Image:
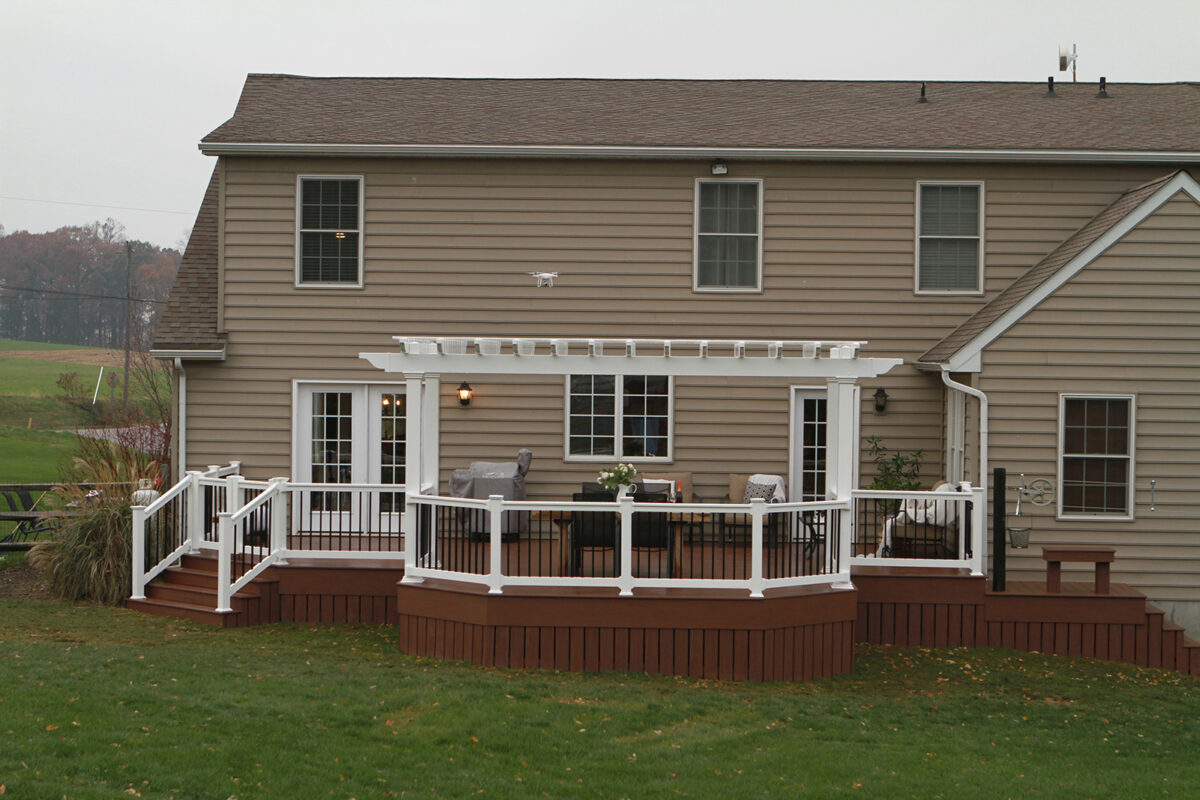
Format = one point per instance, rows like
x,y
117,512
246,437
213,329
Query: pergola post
x,y
840,456
414,399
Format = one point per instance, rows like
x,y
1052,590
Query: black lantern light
x,y
465,392
881,398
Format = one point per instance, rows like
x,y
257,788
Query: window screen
x,y
727,235
949,238
329,230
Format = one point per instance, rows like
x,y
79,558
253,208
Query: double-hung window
x,y
949,238
622,417
728,246
1096,462
329,223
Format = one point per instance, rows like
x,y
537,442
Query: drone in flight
x,y
544,278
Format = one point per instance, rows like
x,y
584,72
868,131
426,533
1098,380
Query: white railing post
x,y
758,510
495,507
279,518
978,530
233,493
194,511
625,546
409,528
224,561
139,553
845,544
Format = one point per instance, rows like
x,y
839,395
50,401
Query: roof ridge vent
x,y
1050,87
1103,87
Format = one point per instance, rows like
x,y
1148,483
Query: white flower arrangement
x,y
618,476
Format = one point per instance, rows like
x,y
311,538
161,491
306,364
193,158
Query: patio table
x,y
562,520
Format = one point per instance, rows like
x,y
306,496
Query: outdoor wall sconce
x,y
465,393
881,398
719,167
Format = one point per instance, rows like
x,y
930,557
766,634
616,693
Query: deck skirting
x,y
793,637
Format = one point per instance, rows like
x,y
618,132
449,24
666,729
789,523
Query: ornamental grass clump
x,y
90,554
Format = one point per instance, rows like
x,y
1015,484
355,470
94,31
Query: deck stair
x,y
189,591
907,609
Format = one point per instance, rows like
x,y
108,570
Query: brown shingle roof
x,y
288,109
190,320
1041,272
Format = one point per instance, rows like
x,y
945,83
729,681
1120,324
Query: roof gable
x,y
960,350
189,322
403,114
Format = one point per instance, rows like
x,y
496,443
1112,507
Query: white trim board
x,y
968,357
758,153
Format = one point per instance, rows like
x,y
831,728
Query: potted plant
x,y
618,479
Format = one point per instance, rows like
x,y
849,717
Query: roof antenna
x,y
923,99
1066,59
1050,86
1103,87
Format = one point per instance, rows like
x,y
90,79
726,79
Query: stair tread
x,y
155,601
249,590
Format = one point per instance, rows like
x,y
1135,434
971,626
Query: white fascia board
x,y
848,368
755,153
967,358
191,355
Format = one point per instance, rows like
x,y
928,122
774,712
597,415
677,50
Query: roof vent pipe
x,y
1103,87
923,98
1050,87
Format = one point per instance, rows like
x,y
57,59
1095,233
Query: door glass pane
x,y
812,449
391,449
333,428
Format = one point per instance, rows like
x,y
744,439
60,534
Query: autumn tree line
x,y
68,286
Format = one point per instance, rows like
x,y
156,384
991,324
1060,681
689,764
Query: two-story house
x,y
1029,250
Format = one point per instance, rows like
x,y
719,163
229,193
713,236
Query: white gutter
x,y
181,428
194,355
755,153
983,424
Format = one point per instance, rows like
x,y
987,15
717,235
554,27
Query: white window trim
x,y
619,428
302,391
361,233
696,287
917,241
1095,517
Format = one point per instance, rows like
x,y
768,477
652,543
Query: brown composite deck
x,y
791,634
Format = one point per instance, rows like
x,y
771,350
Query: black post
x,y
999,534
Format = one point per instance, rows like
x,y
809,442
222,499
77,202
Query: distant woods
x,y
68,286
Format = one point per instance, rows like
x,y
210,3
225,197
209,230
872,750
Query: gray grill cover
x,y
485,478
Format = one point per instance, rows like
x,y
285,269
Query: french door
x,y
351,434
809,432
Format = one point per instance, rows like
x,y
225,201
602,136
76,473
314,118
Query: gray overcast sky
x,y
103,102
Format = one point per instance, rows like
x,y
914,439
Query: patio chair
x,y
739,525
922,528
594,530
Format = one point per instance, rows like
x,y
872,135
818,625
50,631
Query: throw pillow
x,y
764,490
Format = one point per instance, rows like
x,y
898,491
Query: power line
x,y
87,295
95,205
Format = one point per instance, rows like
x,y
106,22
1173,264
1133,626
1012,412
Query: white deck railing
x,y
498,543
920,529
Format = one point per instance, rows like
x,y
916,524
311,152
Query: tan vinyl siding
x,y
1129,323
448,245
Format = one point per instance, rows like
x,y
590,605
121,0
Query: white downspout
x,y
979,559
983,420
181,428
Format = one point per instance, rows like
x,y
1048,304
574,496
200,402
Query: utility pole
x,y
128,269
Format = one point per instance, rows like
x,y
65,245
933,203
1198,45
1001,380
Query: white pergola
x,y
422,359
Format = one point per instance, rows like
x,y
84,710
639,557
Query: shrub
x,y
898,472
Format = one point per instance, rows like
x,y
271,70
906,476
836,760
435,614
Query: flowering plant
x,y
618,476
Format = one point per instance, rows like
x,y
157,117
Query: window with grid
x,y
949,238
622,417
329,231
1097,461
728,235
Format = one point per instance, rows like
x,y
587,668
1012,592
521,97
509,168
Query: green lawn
x,y
33,456
97,702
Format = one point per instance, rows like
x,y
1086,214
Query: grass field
x,y
34,415
100,703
